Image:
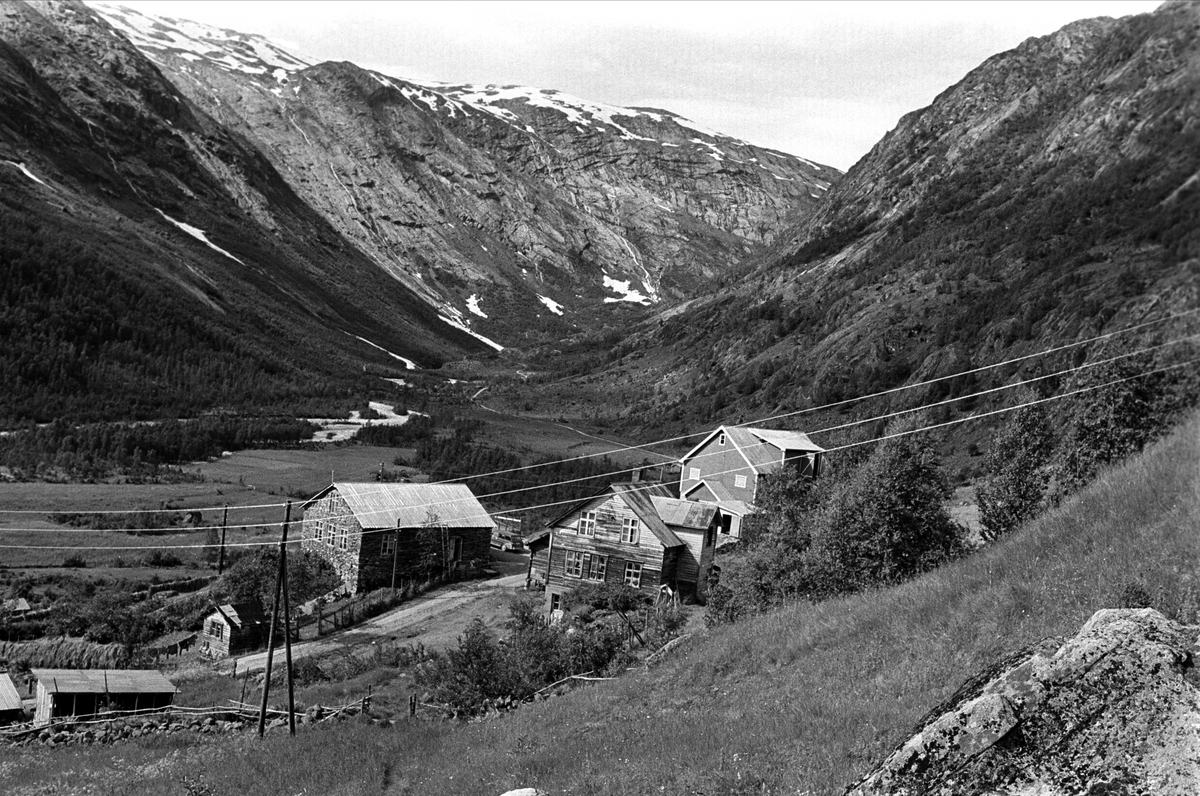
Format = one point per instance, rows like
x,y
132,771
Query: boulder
x,y
1115,709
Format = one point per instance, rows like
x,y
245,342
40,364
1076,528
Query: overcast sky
x,y
824,80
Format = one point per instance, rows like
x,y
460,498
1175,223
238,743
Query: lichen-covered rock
x,y
1110,711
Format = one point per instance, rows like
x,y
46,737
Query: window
x,y
587,523
389,544
739,481
710,536
555,602
216,630
456,548
343,537
633,574
597,566
574,565
585,565
721,439
631,530
694,473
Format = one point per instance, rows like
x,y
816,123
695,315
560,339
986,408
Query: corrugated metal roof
x,y
684,513
9,698
413,505
100,681
15,605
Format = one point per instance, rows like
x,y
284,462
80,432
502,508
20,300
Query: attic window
x,y
631,530
739,481
587,523
694,473
721,439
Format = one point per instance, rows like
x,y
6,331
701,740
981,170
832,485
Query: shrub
x,y
74,561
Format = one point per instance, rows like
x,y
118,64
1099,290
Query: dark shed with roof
x,y
233,629
83,692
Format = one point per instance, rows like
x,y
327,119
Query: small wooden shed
x,y
234,628
83,692
10,701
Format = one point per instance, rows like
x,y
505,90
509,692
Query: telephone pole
x,y
262,711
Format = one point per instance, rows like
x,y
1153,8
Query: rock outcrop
x,y
1114,710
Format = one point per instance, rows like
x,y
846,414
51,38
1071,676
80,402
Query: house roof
x,y
102,681
638,497
15,605
718,489
9,698
760,447
690,514
411,505
242,614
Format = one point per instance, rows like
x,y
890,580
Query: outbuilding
x,y
10,701
84,692
234,628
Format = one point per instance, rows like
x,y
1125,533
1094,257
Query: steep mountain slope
x,y
501,204
104,163
1052,194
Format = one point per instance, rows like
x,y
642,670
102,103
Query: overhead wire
x,y
648,486
582,479
644,446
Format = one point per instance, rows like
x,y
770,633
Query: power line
x,y
621,449
582,479
909,432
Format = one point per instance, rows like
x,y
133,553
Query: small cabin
x,y
233,629
64,693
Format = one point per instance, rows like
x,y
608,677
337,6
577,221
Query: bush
x,y
74,561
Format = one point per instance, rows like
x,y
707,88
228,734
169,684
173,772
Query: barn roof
x,y
689,514
760,447
411,505
9,698
101,681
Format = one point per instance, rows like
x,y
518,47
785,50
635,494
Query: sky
x,y
823,80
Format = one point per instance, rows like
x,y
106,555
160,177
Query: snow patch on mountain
x,y
26,172
627,293
453,317
408,363
473,306
194,41
199,235
551,304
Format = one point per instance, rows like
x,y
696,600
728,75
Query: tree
x,y
1018,474
252,577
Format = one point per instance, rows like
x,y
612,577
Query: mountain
x,y
1051,195
126,207
522,213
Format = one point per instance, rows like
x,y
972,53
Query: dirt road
x,y
435,620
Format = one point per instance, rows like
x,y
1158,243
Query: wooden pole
x,y
245,681
395,554
262,711
221,555
287,625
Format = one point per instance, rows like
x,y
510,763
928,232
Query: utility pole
x,y
395,553
287,625
224,525
262,711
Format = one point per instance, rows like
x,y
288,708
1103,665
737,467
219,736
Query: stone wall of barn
x,y
331,531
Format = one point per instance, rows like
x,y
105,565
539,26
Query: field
x,y
833,686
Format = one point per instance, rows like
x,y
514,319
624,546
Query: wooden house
x,y
374,533
11,708
83,692
638,534
724,468
233,629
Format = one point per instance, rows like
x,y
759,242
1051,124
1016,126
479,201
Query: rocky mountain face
x,y
522,214
1113,710
1051,195
123,201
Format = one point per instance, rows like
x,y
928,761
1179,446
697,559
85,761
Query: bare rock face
x,y
1113,710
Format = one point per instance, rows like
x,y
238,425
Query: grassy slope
x,y
799,701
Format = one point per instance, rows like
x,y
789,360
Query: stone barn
x,y
84,692
376,534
